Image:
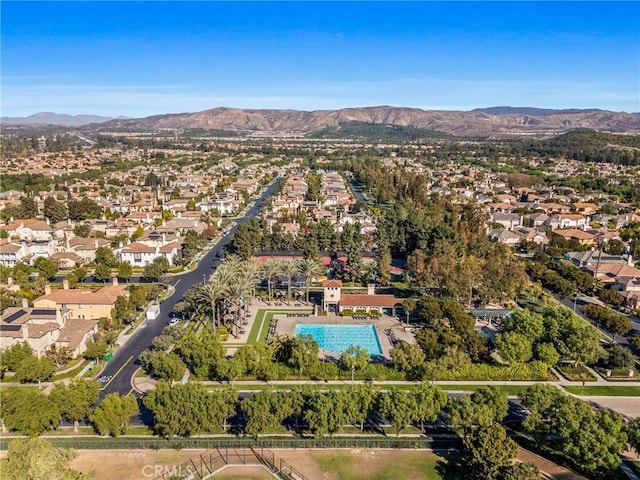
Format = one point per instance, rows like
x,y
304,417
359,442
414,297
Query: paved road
x,y
122,366
622,339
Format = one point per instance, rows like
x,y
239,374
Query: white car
x,y
174,321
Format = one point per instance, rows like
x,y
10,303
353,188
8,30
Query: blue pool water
x,y
337,338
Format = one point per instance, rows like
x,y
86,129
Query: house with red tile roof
x,y
83,303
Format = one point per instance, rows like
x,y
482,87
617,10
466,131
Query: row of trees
x,y
73,402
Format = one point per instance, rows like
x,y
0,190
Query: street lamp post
x,y
575,301
203,279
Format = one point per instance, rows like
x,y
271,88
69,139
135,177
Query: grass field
x,y
605,391
365,464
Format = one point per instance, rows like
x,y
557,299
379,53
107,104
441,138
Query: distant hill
x,y
533,111
49,118
476,123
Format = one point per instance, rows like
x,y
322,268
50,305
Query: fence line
x,y
210,443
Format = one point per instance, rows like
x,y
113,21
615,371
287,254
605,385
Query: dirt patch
x,y
131,464
244,473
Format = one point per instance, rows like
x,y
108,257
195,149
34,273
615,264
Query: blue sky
x,y
144,58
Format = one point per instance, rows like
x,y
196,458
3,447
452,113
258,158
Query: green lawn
x,y
379,465
605,391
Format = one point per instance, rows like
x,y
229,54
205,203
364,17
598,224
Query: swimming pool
x,y
337,338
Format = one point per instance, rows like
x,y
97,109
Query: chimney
x,y
371,289
630,260
114,281
9,281
25,303
95,243
164,239
65,284
47,289
69,221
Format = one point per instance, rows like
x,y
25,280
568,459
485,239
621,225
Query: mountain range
x,y
497,121
50,118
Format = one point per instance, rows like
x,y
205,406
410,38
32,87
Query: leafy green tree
x,y
633,434
37,459
264,410
487,452
35,369
82,230
123,311
513,347
483,407
75,400
156,269
138,296
29,206
231,369
619,357
96,350
105,256
55,211
525,322
407,357
326,412
593,440
188,409
102,272
429,401
521,471
80,273
125,271
113,415
202,353
47,267
167,366
42,412
355,357
13,356
304,353
547,354
360,403
397,407
83,209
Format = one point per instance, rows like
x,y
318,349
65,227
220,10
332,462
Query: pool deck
x,y
387,328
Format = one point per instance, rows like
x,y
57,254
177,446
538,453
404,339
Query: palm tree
x,y
290,269
212,291
310,268
238,291
253,271
271,269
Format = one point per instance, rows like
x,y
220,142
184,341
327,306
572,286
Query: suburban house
x,y
582,237
12,252
141,255
29,229
45,329
82,303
